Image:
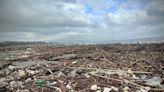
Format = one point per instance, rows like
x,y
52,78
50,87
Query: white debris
x,y
98,88
73,73
147,88
106,89
93,87
31,72
122,73
114,88
68,86
144,77
13,84
23,56
60,74
51,83
98,91
61,81
74,62
130,71
87,75
90,65
7,58
29,49
11,67
54,83
143,90
126,89
27,52
155,81
135,77
28,79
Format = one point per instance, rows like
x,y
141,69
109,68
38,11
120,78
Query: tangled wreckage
x,y
82,68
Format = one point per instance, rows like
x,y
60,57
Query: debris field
x,y
82,68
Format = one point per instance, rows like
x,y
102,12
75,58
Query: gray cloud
x,y
155,8
64,20
40,14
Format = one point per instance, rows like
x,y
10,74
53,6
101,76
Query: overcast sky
x,y
80,20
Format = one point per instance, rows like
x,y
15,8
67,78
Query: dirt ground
x,y
82,68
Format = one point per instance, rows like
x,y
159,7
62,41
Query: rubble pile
x,y
83,68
